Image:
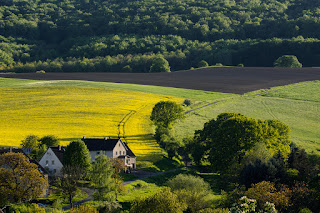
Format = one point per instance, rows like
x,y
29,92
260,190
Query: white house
x,y
52,160
112,148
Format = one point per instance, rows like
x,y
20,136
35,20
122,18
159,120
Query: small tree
x,y
165,113
101,177
160,64
49,140
287,61
191,190
203,63
68,182
77,154
31,142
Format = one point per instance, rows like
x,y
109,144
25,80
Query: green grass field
x,y
296,105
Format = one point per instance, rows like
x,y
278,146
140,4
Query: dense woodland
x,y
98,35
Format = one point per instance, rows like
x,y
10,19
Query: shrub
x,y
41,71
203,63
219,65
162,201
84,209
305,210
240,65
126,68
187,102
191,190
287,61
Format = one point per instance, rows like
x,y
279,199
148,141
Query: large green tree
x,y
77,154
160,64
226,140
165,113
20,180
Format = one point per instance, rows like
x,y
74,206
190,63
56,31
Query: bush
x,y
305,210
287,61
126,68
187,102
41,71
23,208
203,63
240,65
191,190
84,209
162,201
219,65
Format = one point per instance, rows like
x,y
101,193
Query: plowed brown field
x,y
218,79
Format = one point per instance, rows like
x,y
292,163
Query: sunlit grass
x,y
296,105
71,112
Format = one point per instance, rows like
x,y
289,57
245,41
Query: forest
x,y
125,36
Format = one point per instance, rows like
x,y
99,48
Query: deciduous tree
x,y
165,113
20,180
101,177
160,64
77,154
287,61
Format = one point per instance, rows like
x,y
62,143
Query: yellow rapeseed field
x,y
71,112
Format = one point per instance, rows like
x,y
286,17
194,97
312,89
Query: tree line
x,y
57,36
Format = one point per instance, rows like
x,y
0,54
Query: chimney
x,y
10,150
84,137
59,147
105,138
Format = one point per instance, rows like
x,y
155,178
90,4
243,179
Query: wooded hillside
x,y
99,35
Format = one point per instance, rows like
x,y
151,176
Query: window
x,y
52,162
116,153
124,152
128,161
47,162
119,152
54,171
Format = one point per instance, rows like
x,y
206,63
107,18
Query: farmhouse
x,y
112,148
52,160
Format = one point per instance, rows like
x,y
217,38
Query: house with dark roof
x,y
112,148
52,160
18,150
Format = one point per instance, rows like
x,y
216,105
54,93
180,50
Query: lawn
x,y
296,105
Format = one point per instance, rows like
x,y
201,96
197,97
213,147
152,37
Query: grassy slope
x,y
296,105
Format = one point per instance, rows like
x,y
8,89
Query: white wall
x,y
119,148
51,162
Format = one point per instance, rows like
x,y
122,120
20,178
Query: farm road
x,y
237,80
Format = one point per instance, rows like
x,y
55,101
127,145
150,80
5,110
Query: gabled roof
x,y
129,152
58,151
18,150
105,144
95,144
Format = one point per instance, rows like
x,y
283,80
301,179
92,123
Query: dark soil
x,y
218,79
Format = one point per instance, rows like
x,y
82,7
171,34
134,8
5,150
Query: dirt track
x,y
218,79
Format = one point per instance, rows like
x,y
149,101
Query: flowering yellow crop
x,y
71,112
